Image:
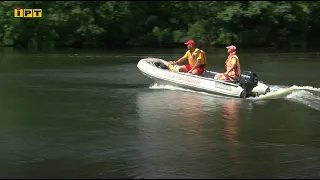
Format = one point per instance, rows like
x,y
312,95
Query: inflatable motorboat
x,y
162,72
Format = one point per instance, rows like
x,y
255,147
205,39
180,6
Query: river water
x,y
87,114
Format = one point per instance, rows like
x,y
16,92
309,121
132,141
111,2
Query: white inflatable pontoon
x,y
162,72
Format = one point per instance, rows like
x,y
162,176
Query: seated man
x,y
196,57
232,66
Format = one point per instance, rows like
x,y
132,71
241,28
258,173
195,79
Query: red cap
x,y
232,47
189,42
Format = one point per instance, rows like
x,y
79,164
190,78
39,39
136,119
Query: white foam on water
x,y
176,88
169,87
276,92
309,88
307,95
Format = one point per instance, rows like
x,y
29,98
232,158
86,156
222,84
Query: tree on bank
x,y
161,23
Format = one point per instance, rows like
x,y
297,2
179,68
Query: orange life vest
x,y
235,73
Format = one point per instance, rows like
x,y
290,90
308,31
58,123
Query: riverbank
x,y
151,51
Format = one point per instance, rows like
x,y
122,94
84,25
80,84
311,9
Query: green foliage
x,y
161,23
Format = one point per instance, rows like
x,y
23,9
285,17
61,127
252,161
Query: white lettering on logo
x,y
246,76
183,78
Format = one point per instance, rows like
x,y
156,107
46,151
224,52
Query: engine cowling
x,y
248,80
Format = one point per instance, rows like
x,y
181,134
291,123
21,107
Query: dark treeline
x,y
161,23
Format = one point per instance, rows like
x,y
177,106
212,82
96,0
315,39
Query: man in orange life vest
x,y
196,57
232,66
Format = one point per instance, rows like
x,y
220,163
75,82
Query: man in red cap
x,y
232,66
196,57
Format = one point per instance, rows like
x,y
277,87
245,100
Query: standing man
x,y
196,57
232,66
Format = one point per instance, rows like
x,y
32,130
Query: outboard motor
x,y
161,65
248,80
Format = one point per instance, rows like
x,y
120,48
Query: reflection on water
x,y
188,110
180,119
231,110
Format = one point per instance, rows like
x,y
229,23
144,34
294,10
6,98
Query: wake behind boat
x,y
164,73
